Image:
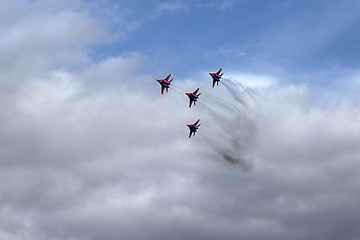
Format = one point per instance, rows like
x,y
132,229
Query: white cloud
x,y
95,153
44,96
116,156
41,39
219,4
251,80
171,6
181,4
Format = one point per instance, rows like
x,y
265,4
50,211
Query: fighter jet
x,y
193,127
165,83
193,97
216,77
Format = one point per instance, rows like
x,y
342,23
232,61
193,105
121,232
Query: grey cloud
x,y
98,153
108,163
40,40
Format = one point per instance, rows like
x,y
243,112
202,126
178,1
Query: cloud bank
x,y
91,150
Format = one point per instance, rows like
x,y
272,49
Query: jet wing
x,y
167,78
218,72
196,91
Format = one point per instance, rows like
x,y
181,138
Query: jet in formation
x,y
193,128
216,77
193,97
165,83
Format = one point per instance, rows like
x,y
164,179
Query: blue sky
x,y
250,36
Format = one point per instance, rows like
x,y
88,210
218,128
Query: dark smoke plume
x,y
229,132
234,93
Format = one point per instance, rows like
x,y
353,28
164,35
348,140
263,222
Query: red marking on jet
x,y
216,77
193,97
193,128
165,83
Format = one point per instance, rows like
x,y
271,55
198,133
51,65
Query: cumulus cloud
x,y
43,38
97,153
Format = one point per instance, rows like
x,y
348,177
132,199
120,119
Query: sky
x,y
90,149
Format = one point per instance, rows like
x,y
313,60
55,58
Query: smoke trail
x,y
245,89
229,132
234,94
229,143
219,101
236,159
176,89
